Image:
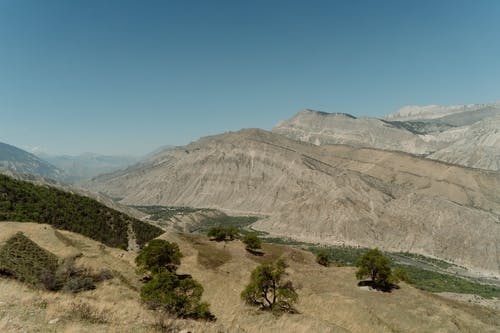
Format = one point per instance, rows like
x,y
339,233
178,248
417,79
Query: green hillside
x,y
25,202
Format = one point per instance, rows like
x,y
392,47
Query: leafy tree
x,y
176,294
374,265
220,234
159,256
322,258
217,233
252,242
232,233
269,290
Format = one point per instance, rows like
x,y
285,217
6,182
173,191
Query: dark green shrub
x,y
179,295
252,242
77,284
322,258
24,260
159,256
217,233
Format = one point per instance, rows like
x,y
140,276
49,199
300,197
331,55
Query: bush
x,y
84,312
322,258
24,260
268,289
252,242
217,233
220,234
159,256
179,295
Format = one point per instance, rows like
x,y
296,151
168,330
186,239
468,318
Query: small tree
x,y
220,234
176,294
322,258
159,256
377,267
252,242
269,290
232,233
217,233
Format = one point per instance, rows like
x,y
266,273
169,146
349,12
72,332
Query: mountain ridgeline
x,y
331,194
25,202
467,135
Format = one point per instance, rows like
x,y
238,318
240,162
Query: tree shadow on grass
x,y
385,287
258,253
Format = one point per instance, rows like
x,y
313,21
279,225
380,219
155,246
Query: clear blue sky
x,y
129,76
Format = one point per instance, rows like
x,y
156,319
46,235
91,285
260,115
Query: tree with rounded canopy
x,y
217,233
159,256
374,265
176,294
269,290
252,242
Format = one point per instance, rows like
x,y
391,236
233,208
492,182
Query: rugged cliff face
x,y
329,194
467,135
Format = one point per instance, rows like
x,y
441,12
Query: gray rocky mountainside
x,y
333,194
468,135
17,162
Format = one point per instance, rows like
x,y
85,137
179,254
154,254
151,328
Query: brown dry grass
x,y
329,300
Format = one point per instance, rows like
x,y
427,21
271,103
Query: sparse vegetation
x,y
87,313
239,223
439,282
25,202
163,213
159,256
252,242
374,265
322,258
220,234
268,289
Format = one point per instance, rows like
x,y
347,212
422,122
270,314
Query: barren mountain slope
x,y
15,161
464,113
478,145
328,194
337,128
467,135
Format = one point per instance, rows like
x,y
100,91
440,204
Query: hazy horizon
x,y
126,77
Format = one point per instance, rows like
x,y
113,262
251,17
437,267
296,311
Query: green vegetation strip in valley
x,y
421,278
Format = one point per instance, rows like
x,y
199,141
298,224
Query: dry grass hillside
x,y
329,299
328,194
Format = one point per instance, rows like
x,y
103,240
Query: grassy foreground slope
x,y
329,299
25,202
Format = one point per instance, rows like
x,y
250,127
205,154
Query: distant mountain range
x,y
468,135
88,165
17,162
